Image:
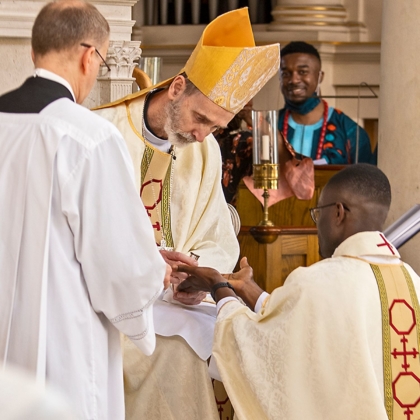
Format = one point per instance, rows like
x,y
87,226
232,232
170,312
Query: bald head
x,y
63,25
360,197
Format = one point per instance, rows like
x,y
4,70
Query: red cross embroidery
x,y
405,353
156,226
158,199
386,243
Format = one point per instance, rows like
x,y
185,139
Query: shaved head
x,y
359,198
367,182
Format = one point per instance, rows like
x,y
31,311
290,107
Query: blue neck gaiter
x,y
305,107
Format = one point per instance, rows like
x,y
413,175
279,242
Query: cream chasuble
x,y
315,351
199,221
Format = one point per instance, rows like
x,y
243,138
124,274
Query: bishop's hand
x,y
167,278
174,258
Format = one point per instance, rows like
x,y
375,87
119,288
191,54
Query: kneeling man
x,y
340,339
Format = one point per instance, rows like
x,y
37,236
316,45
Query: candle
x,y
265,152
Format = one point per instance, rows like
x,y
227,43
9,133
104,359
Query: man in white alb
x,y
77,256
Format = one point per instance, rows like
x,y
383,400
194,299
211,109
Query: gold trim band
x,y
315,23
386,337
314,8
308,15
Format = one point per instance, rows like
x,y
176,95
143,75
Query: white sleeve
x,y
258,305
114,240
260,301
223,301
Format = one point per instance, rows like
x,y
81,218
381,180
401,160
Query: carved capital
x,y
120,58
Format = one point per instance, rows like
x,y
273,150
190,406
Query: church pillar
x,y
317,20
16,21
119,81
399,123
121,53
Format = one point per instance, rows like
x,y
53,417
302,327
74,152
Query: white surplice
x,y
315,350
77,255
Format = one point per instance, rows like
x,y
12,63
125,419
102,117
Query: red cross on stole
x,y
386,243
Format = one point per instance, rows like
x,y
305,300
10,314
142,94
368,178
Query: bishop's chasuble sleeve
x,y
315,350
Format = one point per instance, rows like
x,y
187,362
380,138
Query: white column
x,y
118,13
163,12
16,21
213,4
139,14
399,123
195,6
179,12
233,4
119,82
253,10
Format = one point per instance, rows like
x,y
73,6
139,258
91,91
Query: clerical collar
x,y
46,74
162,144
305,107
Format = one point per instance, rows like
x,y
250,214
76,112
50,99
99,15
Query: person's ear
x,y
177,87
340,214
320,79
87,59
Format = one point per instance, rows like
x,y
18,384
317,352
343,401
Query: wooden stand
x,y
273,261
275,251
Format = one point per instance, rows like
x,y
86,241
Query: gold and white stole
x,y
401,336
155,192
155,186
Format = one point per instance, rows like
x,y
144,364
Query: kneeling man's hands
x,y
204,278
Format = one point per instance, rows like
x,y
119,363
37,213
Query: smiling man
x,y
312,127
168,129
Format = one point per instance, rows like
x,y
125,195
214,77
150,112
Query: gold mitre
x,y
226,66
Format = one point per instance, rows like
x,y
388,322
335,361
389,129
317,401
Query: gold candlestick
x,y
265,167
266,177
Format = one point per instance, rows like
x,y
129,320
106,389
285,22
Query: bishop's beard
x,y
176,136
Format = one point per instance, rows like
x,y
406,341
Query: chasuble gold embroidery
x,y
155,192
401,336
